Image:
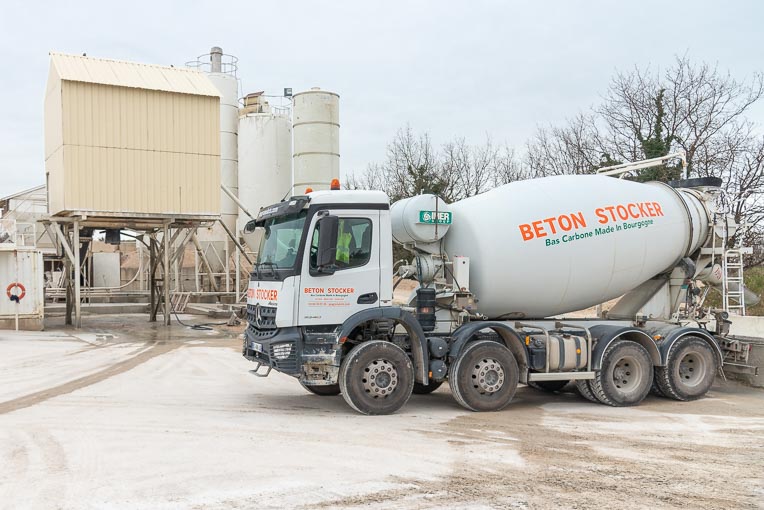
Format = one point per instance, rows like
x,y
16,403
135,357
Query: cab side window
x,y
353,243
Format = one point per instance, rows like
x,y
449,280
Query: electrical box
x,y
461,272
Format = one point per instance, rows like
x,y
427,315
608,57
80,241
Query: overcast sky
x,y
466,68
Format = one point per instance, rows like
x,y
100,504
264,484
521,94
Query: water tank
x,y
548,246
316,125
265,158
419,219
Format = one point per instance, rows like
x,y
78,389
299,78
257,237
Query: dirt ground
x,y
123,414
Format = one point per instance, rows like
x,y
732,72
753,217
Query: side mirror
x,y
326,258
250,226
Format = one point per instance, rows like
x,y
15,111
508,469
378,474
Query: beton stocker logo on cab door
x,y
613,218
263,294
329,296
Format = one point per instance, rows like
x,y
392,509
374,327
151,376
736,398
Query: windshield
x,y
281,240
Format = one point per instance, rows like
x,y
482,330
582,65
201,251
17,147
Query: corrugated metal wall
x,y
131,151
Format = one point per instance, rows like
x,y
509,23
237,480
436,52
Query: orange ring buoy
x,y
14,285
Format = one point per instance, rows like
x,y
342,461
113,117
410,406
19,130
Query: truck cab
x,y
323,258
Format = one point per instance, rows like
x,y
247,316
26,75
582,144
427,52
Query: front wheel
x,y
484,377
328,390
376,377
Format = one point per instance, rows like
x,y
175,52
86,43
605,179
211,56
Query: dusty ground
x,y
169,418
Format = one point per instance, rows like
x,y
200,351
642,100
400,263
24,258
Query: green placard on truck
x,y
439,217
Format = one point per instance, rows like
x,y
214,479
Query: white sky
x,y
466,68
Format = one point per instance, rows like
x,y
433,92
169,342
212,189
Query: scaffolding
x,y
165,239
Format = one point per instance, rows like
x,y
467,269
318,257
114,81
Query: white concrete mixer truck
x,y
497,273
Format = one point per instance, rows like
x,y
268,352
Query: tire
x,y
484,377
585,390
548,386
655,389
625,376
329,390
421,389
690,369
376,377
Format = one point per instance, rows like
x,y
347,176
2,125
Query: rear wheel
x,y
625,376
324,391
584,388
484,377
421,389
655,389
548,386
376,377
690,369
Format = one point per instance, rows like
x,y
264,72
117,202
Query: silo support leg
x,y
205,262
77,276
153,305
166,275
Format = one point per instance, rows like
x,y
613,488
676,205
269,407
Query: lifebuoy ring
x,y
16,297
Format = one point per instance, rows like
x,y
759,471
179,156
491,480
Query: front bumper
x,y
313,357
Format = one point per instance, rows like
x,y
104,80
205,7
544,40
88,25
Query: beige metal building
x,y
124,139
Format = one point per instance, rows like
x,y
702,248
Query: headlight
x,y
282,351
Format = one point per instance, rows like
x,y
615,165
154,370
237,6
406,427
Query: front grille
x,y
262,334
284,356
261,317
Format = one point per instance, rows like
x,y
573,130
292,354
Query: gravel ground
x,y
124,414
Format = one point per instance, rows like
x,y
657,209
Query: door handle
x,y
367,299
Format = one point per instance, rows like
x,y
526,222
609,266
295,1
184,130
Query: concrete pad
x,y
128,414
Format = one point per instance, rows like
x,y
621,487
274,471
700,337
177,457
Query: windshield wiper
x,y
272,265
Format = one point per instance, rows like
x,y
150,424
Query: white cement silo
x,y
265,156
316,125
228,86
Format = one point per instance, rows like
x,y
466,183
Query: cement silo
x,y
226,82
221,70
316,126
265,155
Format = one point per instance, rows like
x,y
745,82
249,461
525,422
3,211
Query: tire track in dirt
x,y
153,350
583,465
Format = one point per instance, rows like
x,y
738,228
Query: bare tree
x,y
508,167
457,170
691,106
575,148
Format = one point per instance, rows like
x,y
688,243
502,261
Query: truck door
x,y
331,298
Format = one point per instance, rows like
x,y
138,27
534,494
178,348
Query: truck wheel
x,y
626,375
655,389
421,389
548,386
689,371
484,377
585,389
324,390
376,377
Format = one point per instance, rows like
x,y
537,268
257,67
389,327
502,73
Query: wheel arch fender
x,y
675,335
606,335
410,324
508,336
